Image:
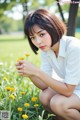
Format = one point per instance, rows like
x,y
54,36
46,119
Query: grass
x,y
10,51
15,90
12,48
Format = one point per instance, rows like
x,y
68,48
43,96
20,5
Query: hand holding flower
x,y
26,68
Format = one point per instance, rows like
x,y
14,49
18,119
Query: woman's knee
x,y
57,105
43,97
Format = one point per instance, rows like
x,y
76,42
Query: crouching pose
x,y
59,75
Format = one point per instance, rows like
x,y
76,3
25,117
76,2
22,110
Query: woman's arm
x,y
62,88
37,82
22,69
39,78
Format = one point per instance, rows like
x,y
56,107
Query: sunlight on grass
x,y
12,50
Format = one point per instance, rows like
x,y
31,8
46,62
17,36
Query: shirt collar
x,y
62,47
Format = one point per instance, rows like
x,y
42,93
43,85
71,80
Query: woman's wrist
x,y
36,72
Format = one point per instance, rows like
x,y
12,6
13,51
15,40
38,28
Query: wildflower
x,y
34,99
4,78
27,54
25,116
22,93
21,58
26,104
19,109
36,105
10,89
12,97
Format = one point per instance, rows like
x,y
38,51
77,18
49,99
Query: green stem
x,y
10,109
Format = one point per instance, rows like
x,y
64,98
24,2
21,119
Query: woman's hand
x,y
26,68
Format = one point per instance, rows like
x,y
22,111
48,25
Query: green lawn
x,y
22,90
12,48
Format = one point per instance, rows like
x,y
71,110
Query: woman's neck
x,y
55,48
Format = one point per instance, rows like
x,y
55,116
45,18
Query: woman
x,y
59,76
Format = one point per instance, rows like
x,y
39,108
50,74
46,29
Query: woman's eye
x,y
32,38
42,34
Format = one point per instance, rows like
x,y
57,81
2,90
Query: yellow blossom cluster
x,y
34,99
25,116
26,104
36,105
10,89
27,54
12,97
21,58
5,78
19,109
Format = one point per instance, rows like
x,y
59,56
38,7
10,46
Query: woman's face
x,y
41,38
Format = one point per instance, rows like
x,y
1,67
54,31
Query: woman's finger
x,y
20,66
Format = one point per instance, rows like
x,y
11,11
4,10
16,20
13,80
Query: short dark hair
x,y
47,21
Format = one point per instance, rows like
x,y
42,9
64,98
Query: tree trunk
x,y
72,18
60,10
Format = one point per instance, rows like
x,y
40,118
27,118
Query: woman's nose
x,y
38,40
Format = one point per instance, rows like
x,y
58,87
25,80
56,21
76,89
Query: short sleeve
x,y
45,65
72,75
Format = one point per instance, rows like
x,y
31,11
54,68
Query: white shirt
x,y
66,67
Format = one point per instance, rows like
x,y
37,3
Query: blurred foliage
x,y
8,24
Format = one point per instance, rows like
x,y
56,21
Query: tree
x,y
72,17
29,5
71,23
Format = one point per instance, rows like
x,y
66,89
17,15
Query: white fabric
x,y
66,67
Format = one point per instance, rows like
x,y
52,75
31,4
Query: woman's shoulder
x,y
71,41
72,45
70,38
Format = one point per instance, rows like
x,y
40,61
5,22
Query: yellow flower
x,y
12,97
34,99
25,116
10,89
36,105
26,104
19,109
27,54
4,78
21,58
22,93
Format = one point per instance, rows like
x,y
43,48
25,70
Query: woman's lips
x,y
42,47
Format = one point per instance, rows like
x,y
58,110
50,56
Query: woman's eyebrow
x,y
37,32
40,31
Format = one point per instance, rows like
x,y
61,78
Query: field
x,y
17,94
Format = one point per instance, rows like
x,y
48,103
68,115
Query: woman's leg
x,y
66,107
45,97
